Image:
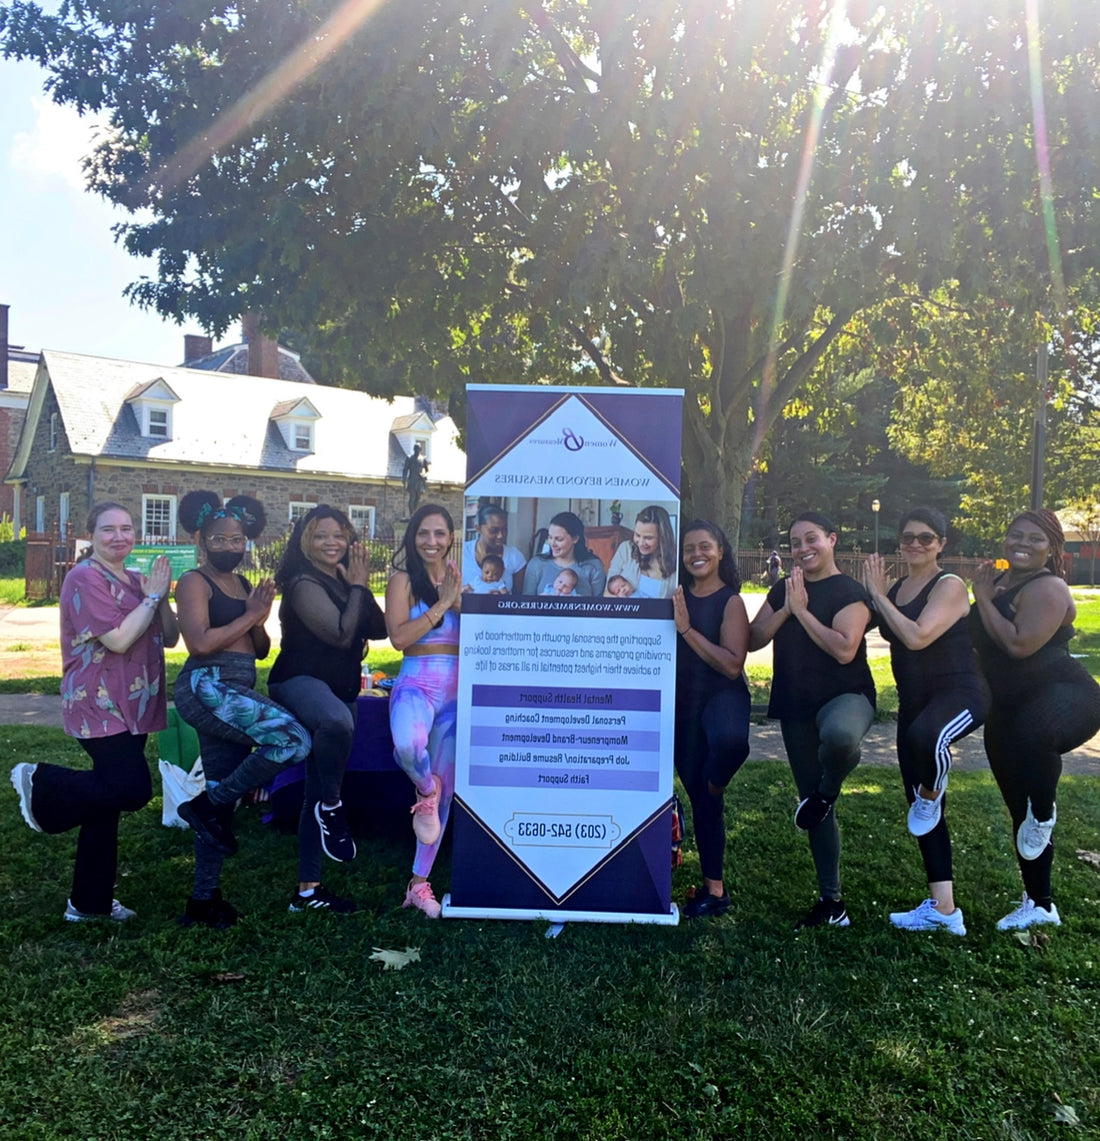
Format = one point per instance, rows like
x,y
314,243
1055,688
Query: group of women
x,y
115,624
1036,702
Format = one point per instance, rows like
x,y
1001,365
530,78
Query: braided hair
x,y
1047,522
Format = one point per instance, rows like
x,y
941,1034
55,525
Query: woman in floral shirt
x,y
115,624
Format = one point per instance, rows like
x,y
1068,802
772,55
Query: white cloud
x,y
56,144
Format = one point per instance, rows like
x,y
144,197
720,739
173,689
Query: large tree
x,y
700,193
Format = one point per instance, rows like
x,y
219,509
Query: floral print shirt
x,y
104,693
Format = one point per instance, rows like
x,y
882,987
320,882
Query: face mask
x,y
224,561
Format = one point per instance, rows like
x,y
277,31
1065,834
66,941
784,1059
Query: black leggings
x,y
1025,737
92,801
712,742
924,756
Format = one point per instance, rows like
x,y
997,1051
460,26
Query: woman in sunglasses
x,y
924,617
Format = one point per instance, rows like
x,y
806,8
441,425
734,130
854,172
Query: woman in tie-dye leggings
x,y
422,603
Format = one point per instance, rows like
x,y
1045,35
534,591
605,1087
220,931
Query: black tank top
x,y
695,680
223,607
948,663
1009,677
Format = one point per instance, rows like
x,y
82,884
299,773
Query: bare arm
x,y
840,639
728,656
405,631
134,624
947,603
765,625
193,599
1042,607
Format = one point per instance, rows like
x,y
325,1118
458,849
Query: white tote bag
x,y
179,786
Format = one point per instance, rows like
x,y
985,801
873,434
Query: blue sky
x,y
61,270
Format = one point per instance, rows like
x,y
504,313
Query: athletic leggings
x,y
1025,737
924,756
244,737
821,754
712,743
422,721
331,725
67,798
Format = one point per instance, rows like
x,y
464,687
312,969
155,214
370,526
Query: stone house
x,y
145,434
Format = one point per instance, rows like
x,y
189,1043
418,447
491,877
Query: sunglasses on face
x,y
925,538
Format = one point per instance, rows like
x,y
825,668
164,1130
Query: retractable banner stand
x,y
563,783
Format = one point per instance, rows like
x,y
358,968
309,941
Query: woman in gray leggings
x,y
327,615
822,691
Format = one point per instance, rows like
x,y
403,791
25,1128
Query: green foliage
x,y
283,1027
583,191
13,558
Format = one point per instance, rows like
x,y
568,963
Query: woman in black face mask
x,y
245,738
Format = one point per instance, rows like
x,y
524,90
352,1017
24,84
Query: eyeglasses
x,y
925,538
222,542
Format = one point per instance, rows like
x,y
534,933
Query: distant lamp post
x,y
875,507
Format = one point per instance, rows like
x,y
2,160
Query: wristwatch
x,y
151,600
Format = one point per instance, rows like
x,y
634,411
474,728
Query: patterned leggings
x,y
245,739
422,721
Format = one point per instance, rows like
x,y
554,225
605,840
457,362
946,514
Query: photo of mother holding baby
x,y
567,552
647,562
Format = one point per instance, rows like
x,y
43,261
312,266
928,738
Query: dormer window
x,y
297,423
152,405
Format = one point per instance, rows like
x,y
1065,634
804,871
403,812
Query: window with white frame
x,y
53,432
160,423
362,519
158,518
63,514
425,443
301,435
298,509
40,513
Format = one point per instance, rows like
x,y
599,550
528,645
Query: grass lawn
x,y
283,1028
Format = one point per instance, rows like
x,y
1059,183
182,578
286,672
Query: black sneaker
x,y
813,810
203,818
825,913
322,900
705,906
215,912
336,841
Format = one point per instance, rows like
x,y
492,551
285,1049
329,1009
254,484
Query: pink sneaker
x,y
425,814
420,896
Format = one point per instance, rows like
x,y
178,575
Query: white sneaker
x,y
118,913
1033,836
1029,915
22,779
927,917
924,815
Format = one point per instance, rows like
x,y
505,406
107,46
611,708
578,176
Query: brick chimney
x,y
4,346
196,347
263,352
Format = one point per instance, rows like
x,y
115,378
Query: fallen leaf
x,y
1089,857
1065,1114
396,960
227,977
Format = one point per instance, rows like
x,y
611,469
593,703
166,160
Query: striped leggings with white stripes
x,y
924,756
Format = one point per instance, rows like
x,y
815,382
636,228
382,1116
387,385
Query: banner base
x,y
560,915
